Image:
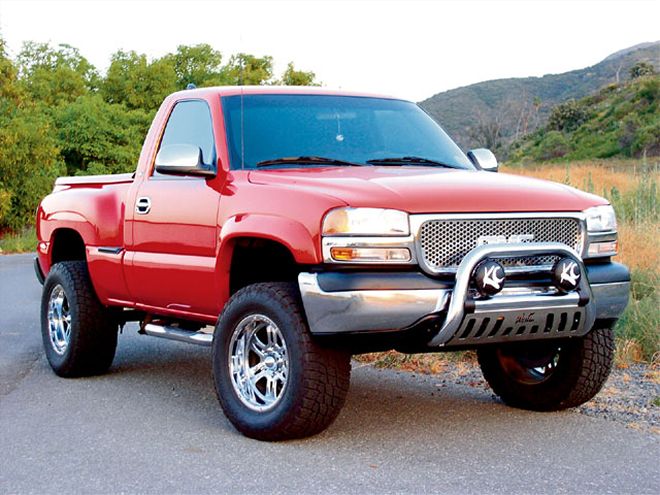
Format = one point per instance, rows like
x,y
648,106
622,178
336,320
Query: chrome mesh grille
x,y
444,242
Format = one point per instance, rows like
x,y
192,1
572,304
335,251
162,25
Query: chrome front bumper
x,y
514,314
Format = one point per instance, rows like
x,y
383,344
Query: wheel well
x,y
261,260
67,245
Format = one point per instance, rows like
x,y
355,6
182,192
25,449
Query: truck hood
x,y
430,190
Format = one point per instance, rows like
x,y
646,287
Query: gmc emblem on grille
x,y
502,239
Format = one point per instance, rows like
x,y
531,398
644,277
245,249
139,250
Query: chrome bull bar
x,y
513,305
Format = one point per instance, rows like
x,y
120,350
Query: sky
x,y
410,49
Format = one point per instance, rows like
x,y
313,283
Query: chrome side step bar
x,y
174,333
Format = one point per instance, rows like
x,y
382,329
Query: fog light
x,y
607,248
566,274
372,255
489,277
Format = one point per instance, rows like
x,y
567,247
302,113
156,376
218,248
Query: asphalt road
x,y
153,425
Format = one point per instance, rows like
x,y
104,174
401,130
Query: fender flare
x,y
294,236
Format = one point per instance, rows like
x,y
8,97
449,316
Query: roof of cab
x,y
263,90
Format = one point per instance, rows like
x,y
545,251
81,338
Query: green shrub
x,y
641,320
567,116
555,145
23,242
5,204
641,69
628,132
647,140
639,205
650,89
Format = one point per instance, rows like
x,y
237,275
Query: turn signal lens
x,y
374,255
608,248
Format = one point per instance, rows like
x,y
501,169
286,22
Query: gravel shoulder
x,y
631,395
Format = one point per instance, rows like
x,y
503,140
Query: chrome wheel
x,y
258,362
59,320
534,365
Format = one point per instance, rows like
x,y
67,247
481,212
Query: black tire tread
x,y
327,371
92,348
590,361
598,356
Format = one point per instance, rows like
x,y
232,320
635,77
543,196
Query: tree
x,y
97,137
57,115
198,64
9,99
10,91
487,132
641,69
55,76
29,157
293,77
137,83
29,163
244,69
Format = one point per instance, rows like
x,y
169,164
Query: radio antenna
x,y
240,83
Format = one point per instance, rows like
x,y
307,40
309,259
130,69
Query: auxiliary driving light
x,y
566,274
489,277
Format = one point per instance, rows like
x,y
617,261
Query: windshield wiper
x,y
410,160
312,160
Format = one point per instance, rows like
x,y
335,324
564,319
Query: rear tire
x,y
273,380
79,336
549,376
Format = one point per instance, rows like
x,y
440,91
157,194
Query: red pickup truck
x,y
290,228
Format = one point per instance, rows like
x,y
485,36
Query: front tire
x,y
549,375
79,336
273,380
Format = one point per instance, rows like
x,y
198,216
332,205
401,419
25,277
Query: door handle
x,y
143,206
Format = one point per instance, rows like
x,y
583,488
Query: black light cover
x,y
488,277
566,274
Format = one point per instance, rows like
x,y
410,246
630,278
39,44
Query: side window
x,y
190,123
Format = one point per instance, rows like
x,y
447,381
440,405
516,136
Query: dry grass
x,y
429,364
628,351
460,363
638,246
598,177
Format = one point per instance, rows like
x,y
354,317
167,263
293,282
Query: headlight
x,y
601,219
366,222
601,230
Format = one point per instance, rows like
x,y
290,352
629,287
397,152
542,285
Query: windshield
x,y
333,129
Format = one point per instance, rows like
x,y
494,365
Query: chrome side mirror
x,y
182,159
483,159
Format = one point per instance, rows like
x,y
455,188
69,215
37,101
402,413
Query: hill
x,y
620,120
502,110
